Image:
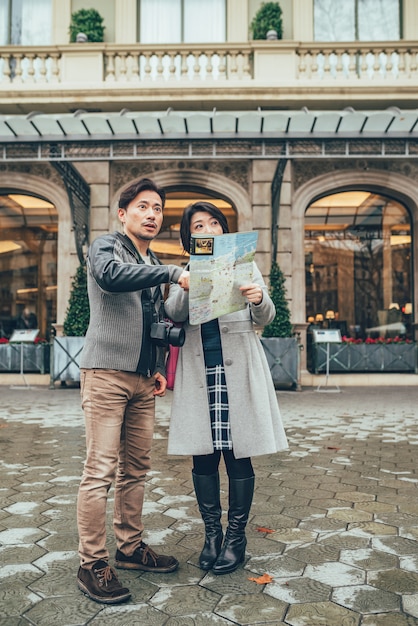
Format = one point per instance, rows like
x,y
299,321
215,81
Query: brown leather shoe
x,y
101,584
145,559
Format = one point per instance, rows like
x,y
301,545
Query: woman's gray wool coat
x,y
256,425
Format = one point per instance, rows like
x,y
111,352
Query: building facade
x,y
310,139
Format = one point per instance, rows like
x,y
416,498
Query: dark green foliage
x,y
268,17
78,311
89,22
281,325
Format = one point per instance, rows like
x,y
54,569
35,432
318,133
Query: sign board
x,y
331,335
24,336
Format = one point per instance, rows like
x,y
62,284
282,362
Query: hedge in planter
x,y
281,325
67,349
89,22
268,17
78,313
280,346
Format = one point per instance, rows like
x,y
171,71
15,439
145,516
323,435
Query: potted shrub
x,y
67,349
88,22
78,312
267,19
279,343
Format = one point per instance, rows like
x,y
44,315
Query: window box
x,y
35,357
365,357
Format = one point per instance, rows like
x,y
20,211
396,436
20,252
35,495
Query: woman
x,y
224,402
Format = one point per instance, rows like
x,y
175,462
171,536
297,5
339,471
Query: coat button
x,y
224,329
228,361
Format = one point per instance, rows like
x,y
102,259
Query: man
x,y
122,371
27,320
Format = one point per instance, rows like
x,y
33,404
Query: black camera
x,y
164,333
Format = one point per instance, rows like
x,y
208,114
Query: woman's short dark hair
x,y
207,207
131,192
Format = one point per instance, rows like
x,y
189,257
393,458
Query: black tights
x,y
207,464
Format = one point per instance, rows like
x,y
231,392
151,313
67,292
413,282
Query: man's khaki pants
x,y
119,410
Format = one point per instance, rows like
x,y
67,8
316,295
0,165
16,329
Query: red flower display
x,y
377,340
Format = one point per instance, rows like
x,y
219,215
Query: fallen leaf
x,y
261,529
262,580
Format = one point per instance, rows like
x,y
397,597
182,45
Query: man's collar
x,y
132,246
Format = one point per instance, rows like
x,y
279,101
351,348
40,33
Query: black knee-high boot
x,y
233,550
208,498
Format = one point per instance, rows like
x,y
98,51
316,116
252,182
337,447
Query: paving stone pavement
x,y
334,520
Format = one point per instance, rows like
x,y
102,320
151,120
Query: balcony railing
x,y
282,62
254,74
361,61
21,65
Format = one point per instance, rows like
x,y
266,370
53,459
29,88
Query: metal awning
x,y
392,123
98,136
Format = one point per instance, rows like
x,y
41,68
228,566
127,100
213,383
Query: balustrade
x,y
299,63
360,60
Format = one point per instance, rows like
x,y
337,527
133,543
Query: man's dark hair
x,y
207,207
131,192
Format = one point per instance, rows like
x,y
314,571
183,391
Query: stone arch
x,y
203,181
395,185
38,186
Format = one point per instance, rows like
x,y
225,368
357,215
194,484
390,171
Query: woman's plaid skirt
x,y
218,407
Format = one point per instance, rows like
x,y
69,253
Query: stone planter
x,y
364,357
65,355
35,357
283,358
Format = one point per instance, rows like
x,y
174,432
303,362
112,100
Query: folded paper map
x,y
219,266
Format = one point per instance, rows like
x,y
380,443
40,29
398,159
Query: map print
x,y
219,266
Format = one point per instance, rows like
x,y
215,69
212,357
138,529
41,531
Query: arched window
x,y
358,265
28,261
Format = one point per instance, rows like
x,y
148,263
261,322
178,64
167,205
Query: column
x,y
410,20
237,24
97,175
126,21
263,172
303,26
61,18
